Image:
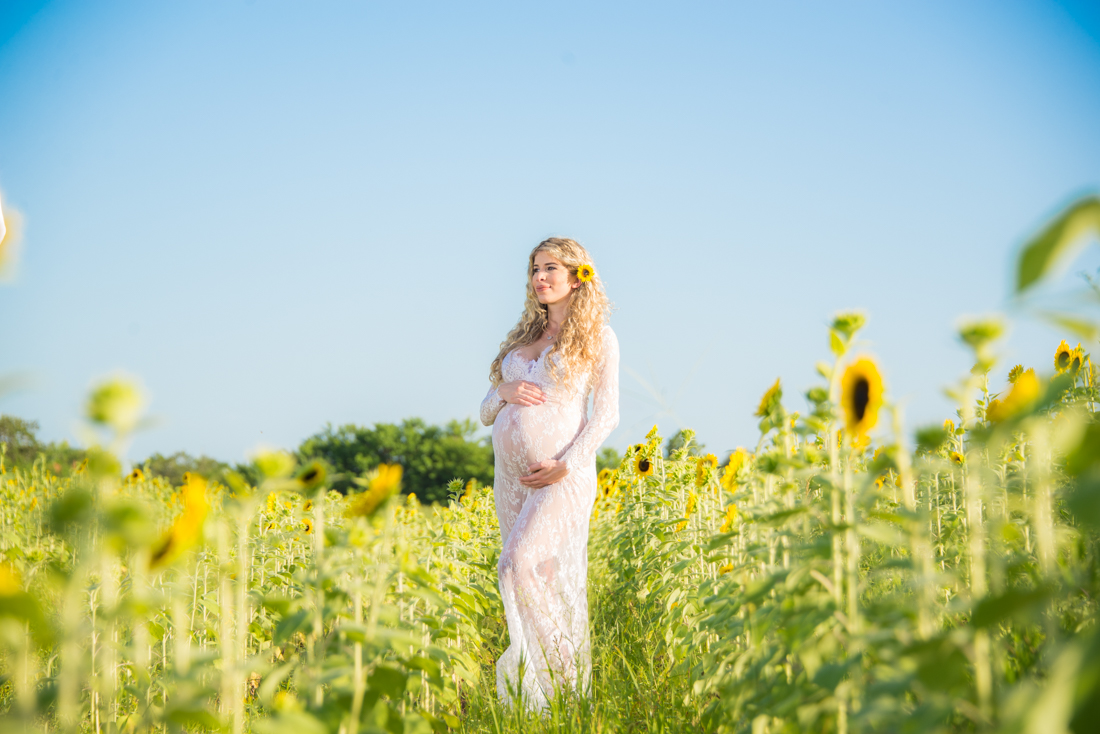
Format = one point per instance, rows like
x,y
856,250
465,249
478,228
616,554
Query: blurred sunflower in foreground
x,y
861,396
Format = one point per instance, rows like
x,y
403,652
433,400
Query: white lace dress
x,y
543,567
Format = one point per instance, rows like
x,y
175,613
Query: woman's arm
x,y
605,407
520,392
491,405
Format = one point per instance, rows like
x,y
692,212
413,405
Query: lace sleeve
x,y
605,407
490,406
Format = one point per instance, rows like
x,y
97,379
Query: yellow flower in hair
x,y
585,273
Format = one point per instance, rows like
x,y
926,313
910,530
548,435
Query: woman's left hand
x,y
543,473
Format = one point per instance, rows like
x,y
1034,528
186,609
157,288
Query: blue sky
x,y
281,214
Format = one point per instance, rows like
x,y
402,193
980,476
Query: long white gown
x,y
543,567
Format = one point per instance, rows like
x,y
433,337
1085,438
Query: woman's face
x,y
551,280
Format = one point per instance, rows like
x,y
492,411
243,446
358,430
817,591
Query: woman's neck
x,y
555,315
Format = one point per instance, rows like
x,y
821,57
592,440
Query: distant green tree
x,y
18,436
172,468
682,438
608,458
22,447
430,455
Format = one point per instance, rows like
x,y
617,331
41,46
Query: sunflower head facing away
x,y
1015,372
1076,359
585,273
1063,357
770,401
861,396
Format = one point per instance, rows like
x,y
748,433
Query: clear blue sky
x,y
279,214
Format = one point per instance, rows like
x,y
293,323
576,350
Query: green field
x,y
844,574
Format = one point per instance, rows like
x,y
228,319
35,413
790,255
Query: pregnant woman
x,y
561,351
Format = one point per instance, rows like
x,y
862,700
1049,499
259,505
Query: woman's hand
x,y
543,473
521,392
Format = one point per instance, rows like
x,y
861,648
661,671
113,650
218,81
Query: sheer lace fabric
x,y
543,567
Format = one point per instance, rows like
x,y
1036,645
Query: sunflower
x,y
1077,358
643,466
1025,391
307,506
1015,372
307,525
1063,356
604,475
730,518
386,481
957,458
652,432
135,476
468,495
949,426
691,503
312,476
271,502
725,569
770,401
861,396
187,530
737,459
585,273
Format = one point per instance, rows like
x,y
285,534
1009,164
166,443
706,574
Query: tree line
x,y
431,456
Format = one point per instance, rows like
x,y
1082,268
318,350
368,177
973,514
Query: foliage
x,y
22,448
828,580
608,458
431,456
172,468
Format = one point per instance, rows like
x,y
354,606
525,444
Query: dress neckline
x,y
515,353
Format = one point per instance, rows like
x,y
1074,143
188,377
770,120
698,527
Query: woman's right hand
x,y
521,392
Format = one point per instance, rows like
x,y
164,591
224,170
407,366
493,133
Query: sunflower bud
x,y
116,403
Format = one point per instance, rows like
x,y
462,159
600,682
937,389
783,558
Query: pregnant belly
x,y
524,435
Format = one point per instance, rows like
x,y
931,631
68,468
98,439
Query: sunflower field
x,y
841,575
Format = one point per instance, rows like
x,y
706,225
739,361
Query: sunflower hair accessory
x,y
585,273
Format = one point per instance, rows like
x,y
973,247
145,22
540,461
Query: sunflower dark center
x,y
644,464
1063,359
861,395
309,476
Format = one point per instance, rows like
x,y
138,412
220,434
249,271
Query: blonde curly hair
x,y
579,341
